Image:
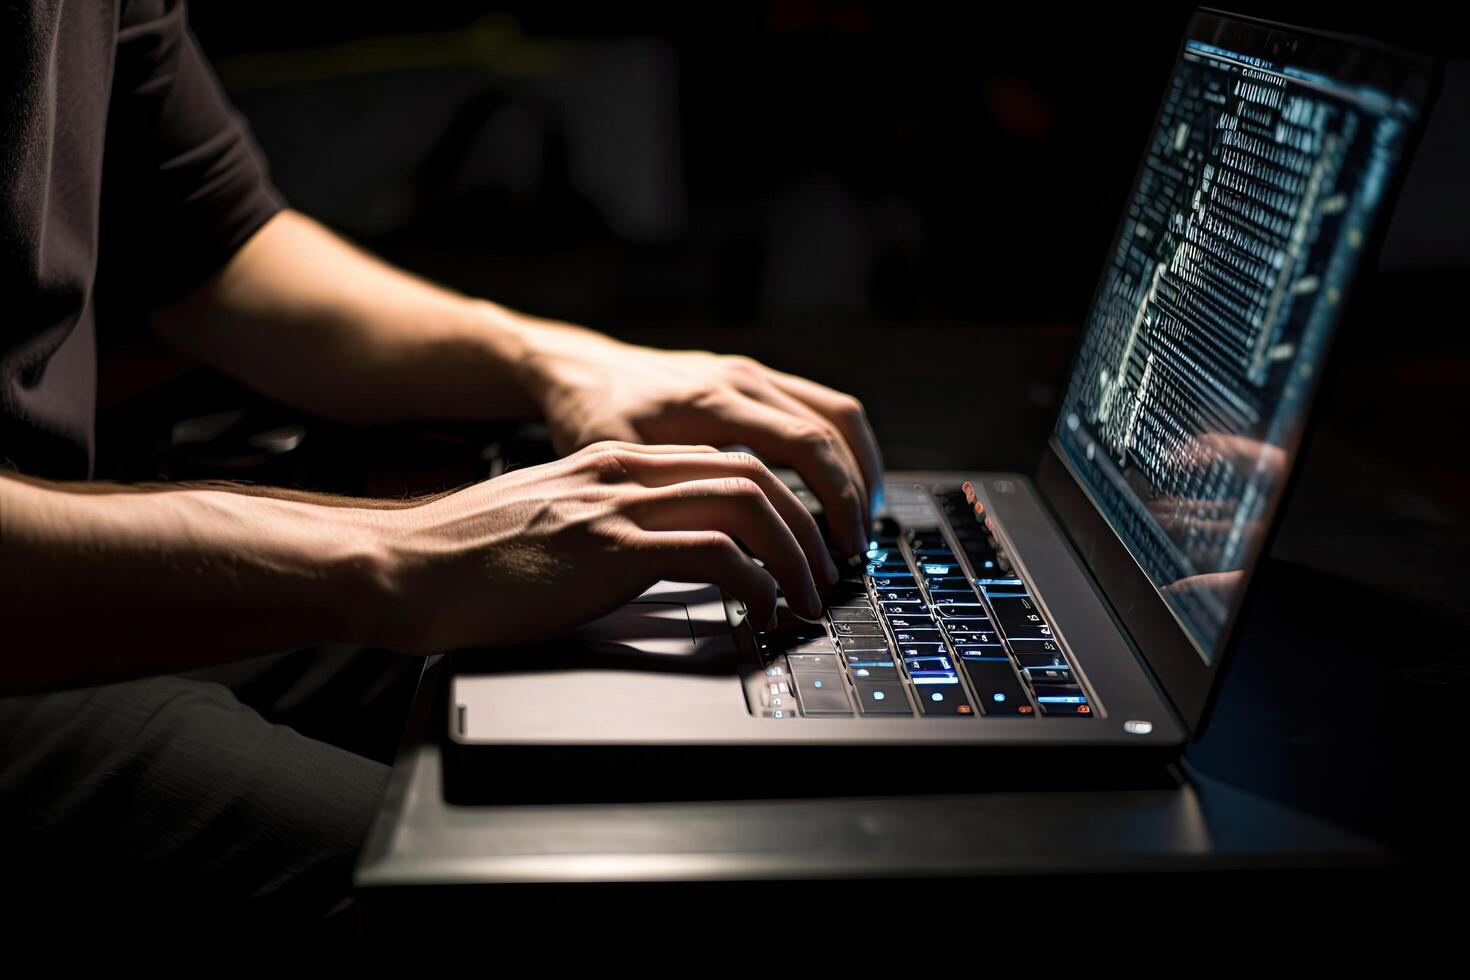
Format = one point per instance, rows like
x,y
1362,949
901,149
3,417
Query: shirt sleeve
x,y
184,185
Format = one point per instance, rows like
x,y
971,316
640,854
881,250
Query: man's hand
x,y
100,584
305,318
592,388
533,553
1201,523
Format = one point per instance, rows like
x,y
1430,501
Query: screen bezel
x,y
1187,678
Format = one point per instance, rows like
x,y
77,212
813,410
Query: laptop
x,y
1088,606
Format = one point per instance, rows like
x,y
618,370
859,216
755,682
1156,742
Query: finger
x,y
848,414
665,469
763,390
1220,584
795,441
739,508
646,448
712,557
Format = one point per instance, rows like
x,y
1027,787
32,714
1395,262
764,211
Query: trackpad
x,y
661,628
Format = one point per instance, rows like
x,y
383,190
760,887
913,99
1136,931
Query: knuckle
x,y
849,406
716,544
744,487
707,397
608,461
746,462
742,365
815,436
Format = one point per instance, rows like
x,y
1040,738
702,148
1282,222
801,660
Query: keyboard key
x,y
893,566
822,693
945,701
1038,648
1059,693
1050,675
853,614
960,610
883,698
908,609
1019,618
883,582
919,636
793,632
1016,611
868,638
1041,661
867,653
961,596
901,623
931,541
844,630
978,635
1062,700
823,645
979,650
1064,709
899,595
934,664
864,671
910,650
972,631
804,663
959,599
1028,632
933,678
996,687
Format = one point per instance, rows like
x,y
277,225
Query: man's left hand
x,y
591,388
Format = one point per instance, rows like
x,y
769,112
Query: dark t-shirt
x,y
125,180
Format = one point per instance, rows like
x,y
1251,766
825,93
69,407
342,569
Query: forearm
x,y
98,587
306,318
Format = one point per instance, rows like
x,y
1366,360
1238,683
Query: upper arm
x,y
184,183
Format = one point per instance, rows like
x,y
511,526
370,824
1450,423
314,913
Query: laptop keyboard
x,y
923,631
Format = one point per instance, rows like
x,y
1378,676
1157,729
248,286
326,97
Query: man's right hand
x,y
532,554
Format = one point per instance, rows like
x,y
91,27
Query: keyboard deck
x,y
937,624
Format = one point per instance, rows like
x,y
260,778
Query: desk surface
x,y
419,841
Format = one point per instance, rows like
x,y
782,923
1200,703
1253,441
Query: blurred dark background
x,y
912,202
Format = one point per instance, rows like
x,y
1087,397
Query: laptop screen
x,y
1241,235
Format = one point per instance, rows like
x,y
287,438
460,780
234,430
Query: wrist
x,y
363,571
322,573
541,352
